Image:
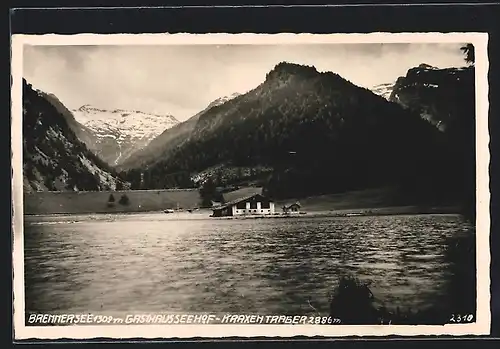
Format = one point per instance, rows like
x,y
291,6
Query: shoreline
x,y
368,212
348,213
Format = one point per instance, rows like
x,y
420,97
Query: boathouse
x,y
256,204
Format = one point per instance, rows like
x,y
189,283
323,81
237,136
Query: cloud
x,y
182,80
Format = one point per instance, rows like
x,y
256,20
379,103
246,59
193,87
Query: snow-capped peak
x,y
133,123
122,132
384,89
222,100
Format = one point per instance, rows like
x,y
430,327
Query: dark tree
x,y
468,51
219,180
124,200
209,193
111,200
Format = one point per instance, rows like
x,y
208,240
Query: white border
x,y
481,327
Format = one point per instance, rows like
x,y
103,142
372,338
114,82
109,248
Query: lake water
x,y
192,263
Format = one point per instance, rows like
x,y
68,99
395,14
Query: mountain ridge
x,y
446,99
222,100
305,112
54,158
384,89
173,135
119,132
432,92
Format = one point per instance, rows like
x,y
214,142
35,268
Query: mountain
x,y
54,159
427,66
222,100
84,134
318,132
170,138
446,98
384,90
119,133
436,94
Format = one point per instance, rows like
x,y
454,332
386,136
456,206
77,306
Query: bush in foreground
x,y
354,304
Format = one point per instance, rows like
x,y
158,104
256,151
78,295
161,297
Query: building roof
x,y
241,193
235,201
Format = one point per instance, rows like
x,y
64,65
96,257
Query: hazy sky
x,y
182,80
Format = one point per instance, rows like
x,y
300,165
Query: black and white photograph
x,y
250,185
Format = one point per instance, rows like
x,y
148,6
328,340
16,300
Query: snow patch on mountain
x,y
222,100
383,90
119,133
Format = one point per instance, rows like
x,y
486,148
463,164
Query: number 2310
x,y
457,318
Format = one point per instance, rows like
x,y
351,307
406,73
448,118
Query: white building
x,y
255,204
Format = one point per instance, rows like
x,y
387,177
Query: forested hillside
x,y
319,132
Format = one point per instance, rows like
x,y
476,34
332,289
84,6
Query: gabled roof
x,y
241,193
235,201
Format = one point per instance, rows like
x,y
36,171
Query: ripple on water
x,y
157,263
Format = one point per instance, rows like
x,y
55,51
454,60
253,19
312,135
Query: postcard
x,y
250,185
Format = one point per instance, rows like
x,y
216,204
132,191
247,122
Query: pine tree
x,y
469,53
124,200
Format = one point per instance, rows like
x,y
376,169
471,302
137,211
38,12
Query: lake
x,y
191,263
